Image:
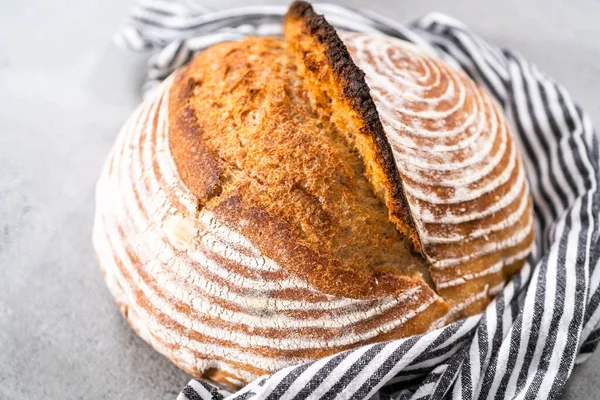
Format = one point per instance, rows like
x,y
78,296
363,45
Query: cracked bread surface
x,y
280,153
253,215
437,148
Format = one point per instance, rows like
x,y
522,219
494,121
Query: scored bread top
x,y
261,209
283,168
455,183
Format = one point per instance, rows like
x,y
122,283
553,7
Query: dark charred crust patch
x,y
357,93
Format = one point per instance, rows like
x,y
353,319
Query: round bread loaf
x,y
281,200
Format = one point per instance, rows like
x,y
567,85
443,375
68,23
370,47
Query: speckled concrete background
x,y
64,92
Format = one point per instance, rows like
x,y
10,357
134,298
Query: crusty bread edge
x,y
357,96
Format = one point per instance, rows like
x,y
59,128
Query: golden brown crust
x,y
477,264
197,165
265,162
328,274
306,30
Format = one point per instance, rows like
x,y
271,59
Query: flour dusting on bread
x,y
278,201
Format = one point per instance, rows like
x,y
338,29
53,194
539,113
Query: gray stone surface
x,y
64,92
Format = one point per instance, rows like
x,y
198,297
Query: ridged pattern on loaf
x,y
460,169
203,294
236,207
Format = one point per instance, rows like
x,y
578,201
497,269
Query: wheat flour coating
x,y
266,208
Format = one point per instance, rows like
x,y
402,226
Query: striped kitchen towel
x,y
545,321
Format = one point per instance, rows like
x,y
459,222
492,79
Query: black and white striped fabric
x,y
545,321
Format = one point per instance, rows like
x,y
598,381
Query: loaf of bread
x,y
281,200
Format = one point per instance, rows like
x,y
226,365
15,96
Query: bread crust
x,y
303,23
246,217
197,165
480,262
